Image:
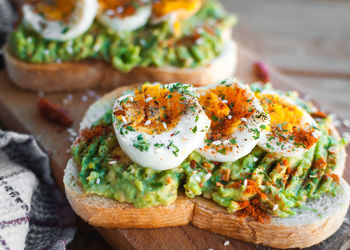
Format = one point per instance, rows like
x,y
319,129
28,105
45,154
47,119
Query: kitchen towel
x,y
34,214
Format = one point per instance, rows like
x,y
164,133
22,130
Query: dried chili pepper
x,y
262,72
54,112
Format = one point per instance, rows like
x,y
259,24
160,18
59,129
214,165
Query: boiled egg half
x,y
237,121
60,19
174,11
292,131
158,126
124,15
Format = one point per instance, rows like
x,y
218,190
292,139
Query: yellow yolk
x,y
121,8
287,119
225,106
183,9
154,109
55,10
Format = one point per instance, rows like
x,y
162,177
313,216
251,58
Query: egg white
x,y
271,142
245,138
127,23
186,136
80,21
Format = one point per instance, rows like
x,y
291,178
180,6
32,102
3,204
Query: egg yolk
x,y
286,120
225,106
183,9
154,109
55,10
120,8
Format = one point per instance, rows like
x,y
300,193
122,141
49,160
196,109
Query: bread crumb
x,y
226,243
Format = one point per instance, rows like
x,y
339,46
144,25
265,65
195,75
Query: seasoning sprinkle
x,y
216,143
207,176
124,119
148,99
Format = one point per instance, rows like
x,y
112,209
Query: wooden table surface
x,y
308,40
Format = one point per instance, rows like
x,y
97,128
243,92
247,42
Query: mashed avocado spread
x,y
201,40
277,184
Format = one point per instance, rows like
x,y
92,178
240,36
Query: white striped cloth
x,y
33,212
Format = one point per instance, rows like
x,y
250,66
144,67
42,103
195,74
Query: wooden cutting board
x,y
18,111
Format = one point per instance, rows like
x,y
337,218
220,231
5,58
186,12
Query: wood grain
x,y
18,111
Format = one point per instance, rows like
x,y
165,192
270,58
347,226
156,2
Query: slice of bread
x,y
317,221
71,76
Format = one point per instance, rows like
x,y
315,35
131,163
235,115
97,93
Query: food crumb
x,y
84,98
68,99
226,243
91,93
72,132
346,136
346,123
336,123
307,97
41,94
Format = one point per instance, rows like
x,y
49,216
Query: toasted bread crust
x,y
71,76
203,213
108,213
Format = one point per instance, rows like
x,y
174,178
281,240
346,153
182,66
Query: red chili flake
x,y
218,184
193,164
168,180
201,184
319,114
54,112
262,72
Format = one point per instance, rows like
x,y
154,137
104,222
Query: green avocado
x,y
279,184
152,45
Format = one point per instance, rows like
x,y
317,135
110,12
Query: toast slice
x,y
313,224
71,76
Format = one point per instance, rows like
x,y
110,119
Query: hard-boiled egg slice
x,y
123,15
293,131
60,19
174,11
158,126
237,121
